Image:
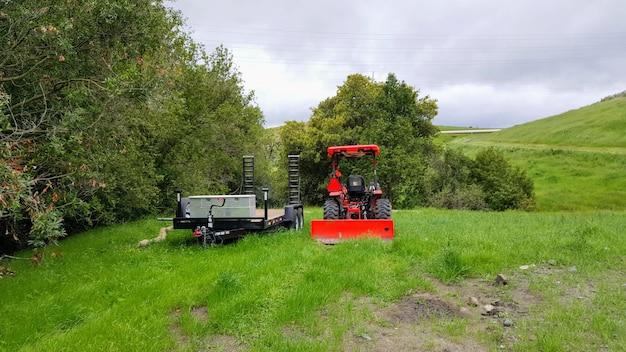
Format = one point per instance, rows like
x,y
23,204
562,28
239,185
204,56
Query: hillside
x,y
598,125
576,159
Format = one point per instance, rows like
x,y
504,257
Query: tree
x,y
390,114
412,170
504,186
105,108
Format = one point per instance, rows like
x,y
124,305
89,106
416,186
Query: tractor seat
x,y
356,186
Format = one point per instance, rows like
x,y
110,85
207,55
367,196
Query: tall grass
x,y
284,292
578,180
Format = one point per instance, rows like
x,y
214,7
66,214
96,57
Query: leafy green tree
x,y
219,124
504,186
390,114
412,170
105,108
449,183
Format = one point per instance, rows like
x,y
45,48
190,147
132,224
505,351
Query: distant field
x,y
471,131
601,125
565,179
577,160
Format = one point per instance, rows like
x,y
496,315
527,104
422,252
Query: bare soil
x,y
414,323
451,318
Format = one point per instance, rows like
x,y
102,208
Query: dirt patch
x,y
419,322
216,342
406,326
418,307
406,338
200,313
221,343
177,332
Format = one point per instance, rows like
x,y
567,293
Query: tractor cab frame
x,y
353,209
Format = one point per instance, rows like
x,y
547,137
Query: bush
x,y
470,197
504,186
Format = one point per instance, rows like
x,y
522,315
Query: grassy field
x,y
598,125
579,179
436,287
284,292
577,160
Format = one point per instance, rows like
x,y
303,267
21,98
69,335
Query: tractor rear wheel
x,y
331,210
383,209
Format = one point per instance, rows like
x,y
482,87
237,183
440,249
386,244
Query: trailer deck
x,y
215,219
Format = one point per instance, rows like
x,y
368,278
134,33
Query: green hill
x,y
598,125
577,159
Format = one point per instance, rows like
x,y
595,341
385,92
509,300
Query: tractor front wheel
x,y
383,209
331,210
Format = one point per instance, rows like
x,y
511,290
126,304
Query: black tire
x,y
300,218
183,209
331,210
292,218
296,224
383,209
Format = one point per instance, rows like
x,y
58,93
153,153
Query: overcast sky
x,y
488,63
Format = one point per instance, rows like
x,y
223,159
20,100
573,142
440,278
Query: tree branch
x,y
14,78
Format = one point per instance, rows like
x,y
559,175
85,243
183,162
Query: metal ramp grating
x,y
294,179
248,175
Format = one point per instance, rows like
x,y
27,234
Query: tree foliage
x,y
504,186
105,108
390,114
412,169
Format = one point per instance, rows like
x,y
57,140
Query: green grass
x,y
577,160
284,292
577,180
600,125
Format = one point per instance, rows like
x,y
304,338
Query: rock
x,y
366,336
144,243
161,237
163,233
473,301
524,267
507,323
489,310
501,280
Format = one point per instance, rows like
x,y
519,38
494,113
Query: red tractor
x,y
354,209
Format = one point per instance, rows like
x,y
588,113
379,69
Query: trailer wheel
x,y
184,208
299,219
383,209
331,210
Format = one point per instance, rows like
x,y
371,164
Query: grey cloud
x,y
542,52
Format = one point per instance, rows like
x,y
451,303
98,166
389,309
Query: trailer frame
x,y
215,230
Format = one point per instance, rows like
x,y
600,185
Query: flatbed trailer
x,y
216,219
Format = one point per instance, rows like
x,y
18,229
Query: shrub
x,y
469,197
504,186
